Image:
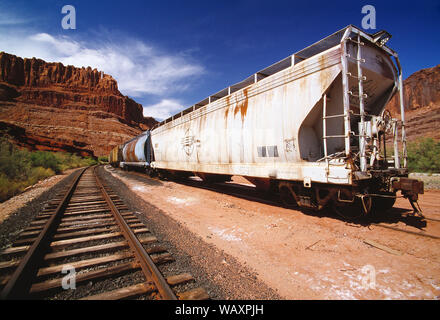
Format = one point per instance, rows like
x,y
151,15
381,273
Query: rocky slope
x,y
49,106
421,93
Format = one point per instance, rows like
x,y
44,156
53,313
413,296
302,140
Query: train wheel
x,y
383,204
286,197
150,172
163,175
360,207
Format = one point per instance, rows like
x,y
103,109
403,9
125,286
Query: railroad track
x,y
87,237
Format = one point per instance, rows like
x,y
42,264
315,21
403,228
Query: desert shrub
x,y
88,161
103,159
46,160
13,162
39,173
22,168
424,155
8,188
68,161
64,160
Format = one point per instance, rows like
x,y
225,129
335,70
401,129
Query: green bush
x,y
46,160
22,168
8,188
14,163
103,159
424,156
39,173
68,161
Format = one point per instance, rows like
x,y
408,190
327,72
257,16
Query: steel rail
x,y
147,265
21,280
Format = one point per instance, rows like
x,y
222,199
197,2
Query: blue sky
x,y
168,55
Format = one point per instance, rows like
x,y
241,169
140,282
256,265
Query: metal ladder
x,y
360,78
325,98
347,93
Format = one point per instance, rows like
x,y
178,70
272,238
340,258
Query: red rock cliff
x,y
421,94
50,106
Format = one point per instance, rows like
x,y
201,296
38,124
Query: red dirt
x,y
308,255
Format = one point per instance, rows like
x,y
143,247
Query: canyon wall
x,y
421,96
49,106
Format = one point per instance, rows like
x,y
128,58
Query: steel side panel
x,y
134,150
317,172
223,137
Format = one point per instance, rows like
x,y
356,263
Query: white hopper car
x,y
311,127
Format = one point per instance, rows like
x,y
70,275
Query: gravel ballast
x,y
220,274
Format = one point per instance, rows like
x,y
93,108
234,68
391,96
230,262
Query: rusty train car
x,y
136,152
115,156
312,127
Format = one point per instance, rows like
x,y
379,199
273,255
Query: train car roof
x,y
332,40
134,138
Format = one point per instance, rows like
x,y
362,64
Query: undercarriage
x,y
375,195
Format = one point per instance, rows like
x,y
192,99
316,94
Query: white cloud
x,y
139,68
62,46
164,109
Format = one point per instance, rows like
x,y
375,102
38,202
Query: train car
x,y
115,156
311,127
137,152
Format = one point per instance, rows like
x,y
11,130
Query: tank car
x,y
137,152
312,127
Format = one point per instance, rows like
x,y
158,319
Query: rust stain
x,y
227,112
131,157
325,76
244,105
236,109
133,152
202,122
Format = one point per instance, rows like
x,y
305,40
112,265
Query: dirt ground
x,y
307,255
